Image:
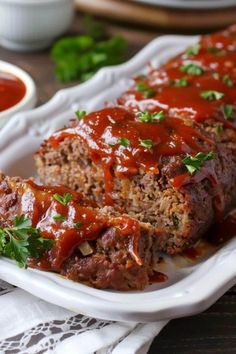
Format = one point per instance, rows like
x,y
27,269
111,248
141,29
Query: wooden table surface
x,y
213,331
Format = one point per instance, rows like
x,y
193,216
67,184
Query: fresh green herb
x,y
59,217
227,80
78,225
216,51
147,117
183,82
80,114
211,95
65,199
124,142
227,110
147,91
194,50
175,221
218,128
147,143
194,163
192,69
22,241
80,57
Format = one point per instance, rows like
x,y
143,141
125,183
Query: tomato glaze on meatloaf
x,y
141,154
96,246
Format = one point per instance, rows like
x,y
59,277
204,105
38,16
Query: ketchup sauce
x,y
12,90
70,223
102,130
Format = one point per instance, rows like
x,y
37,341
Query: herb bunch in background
x,y
80,57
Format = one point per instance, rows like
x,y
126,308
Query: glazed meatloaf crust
x,y
166,153
94,246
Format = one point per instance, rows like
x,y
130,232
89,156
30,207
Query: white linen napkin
x,y
30,325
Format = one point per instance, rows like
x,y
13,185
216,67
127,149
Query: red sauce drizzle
x,y
101,131
12,90
216,57
39,205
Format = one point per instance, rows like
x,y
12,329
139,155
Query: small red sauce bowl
x,y
17,91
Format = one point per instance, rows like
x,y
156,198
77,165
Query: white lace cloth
x,y
29,325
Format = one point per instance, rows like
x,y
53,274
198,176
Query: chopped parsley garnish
x,y
183,82
124,142
227,110
65,199
227,80
218,128
59,217
216,51
146,91
147,143
80,114
22,241
192,69
194,50
147,117
211,95
78,225
194,163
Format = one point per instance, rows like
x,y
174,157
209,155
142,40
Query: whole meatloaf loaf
x,y
90,245
165,153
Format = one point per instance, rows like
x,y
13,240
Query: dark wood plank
x,y
213,331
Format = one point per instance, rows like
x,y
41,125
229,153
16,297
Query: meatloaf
x,y
165,152
91,245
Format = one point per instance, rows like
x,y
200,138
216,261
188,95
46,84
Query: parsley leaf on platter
x,y
194,163
22,241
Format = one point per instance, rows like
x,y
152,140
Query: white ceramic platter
x,y
191,4
191,288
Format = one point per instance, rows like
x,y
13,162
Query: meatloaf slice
x,y
185,212
91,245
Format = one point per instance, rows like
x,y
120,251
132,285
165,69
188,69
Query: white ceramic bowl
x,y
29,99
28,25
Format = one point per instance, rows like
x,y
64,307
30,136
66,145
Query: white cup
x,y
28,25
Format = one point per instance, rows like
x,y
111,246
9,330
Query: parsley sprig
x,y
227,80
183,82
59,217
146,143
80,114
63,199
211,95
228,111
146,117
217,51
192,69
145,90
124,142
22,241
194,50
194,163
